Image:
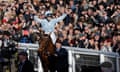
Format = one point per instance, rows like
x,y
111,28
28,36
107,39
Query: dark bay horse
x,y
46,48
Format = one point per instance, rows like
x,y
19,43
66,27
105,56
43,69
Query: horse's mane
x,y
46,44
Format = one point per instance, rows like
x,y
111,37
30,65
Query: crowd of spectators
x,y
91,24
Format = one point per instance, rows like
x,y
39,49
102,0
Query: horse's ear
x,y
36,35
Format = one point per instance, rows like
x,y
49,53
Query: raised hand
x,y
62,10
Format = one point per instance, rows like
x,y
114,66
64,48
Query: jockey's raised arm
x,y
54,21
60,18
48,23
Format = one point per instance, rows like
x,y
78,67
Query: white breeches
x,y
53,37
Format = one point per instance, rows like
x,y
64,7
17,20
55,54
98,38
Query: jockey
x,y
48,23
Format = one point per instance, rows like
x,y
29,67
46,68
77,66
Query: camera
x,y
9,50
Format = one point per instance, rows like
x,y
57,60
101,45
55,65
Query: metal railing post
x,y
70,61
102,58
28,52
73,60
117,64
39,66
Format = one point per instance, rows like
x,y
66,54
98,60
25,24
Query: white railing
x,y
103,57
76,53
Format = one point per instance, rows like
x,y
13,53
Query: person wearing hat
x,y
48,23
24,64
5,39
82,40
61,58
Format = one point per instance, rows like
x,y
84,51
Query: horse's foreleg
x,y
45,63
45,67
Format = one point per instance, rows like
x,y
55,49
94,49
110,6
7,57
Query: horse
x,y
46,49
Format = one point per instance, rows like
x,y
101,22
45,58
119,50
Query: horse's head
x,y
44,39
38,35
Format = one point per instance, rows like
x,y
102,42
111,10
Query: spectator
x,y
81,26
61,57
91,43
107,46
83,41
25,65
116,43
25,38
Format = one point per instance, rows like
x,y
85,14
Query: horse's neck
x,y
46,44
